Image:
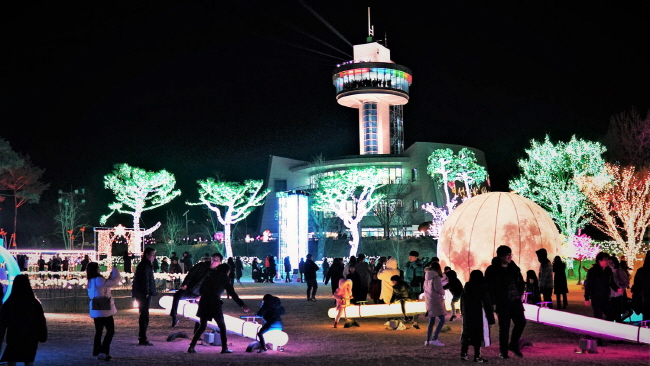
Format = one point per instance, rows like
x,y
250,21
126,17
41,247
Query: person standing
x,y
127,258
598,286
231,274
84,263
273,269
335,273
301,269
414,272
23,320
506,285
434,294
365,275
326,268
41,263
641,289
164,265
545,276
385,275
186,262
476,305
144,289
256,271
287,269
210,306
239,269
192,283
98,286
560,286
622,281
311,268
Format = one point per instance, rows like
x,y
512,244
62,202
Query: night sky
x,y
205,88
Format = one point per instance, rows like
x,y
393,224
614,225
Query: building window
x,y
370,145
414,175
280,185
416,205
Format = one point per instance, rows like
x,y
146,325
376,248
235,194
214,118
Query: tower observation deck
x,y
378,88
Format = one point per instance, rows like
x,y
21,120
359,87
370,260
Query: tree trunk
x,y
226,241
354,243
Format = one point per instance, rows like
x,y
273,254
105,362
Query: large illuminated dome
x,y
477,227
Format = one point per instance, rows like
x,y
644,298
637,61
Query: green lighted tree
x,y
139,190
336,190
441,169
547,178
238,201
467,170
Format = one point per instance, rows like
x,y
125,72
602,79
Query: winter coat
x,y
211,290
559,280
506,286
287,265
334,274
164,266
25,325
534,294
272,311
414,274
621,280
175,268
365,273
100,286
239,268
473,302
598,283
144,283
454,285
434,293
402,291
359,292
195,277
310,269
384,275
641,288
545,275
343,293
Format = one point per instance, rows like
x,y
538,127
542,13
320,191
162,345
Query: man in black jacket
x,y
192,283
310,277
506,285
598,283
144,289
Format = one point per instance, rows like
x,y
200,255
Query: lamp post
x,y
187,232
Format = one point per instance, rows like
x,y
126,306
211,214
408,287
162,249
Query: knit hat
x,y
413,253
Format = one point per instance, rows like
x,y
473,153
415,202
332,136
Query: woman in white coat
x,y
386,284
98,286
434,299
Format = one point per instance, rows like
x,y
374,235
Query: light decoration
x,y
584,248
468,170
276,338
380,310
293,220
238,201
439,215
359,186
547,178
440,168
248,239
621,205
140,191
266,236
599,328
11,266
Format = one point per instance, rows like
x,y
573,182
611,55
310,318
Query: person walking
x,y
311,268
599,285
210,306
434,295
476,306
560,286
506,285
143,290
287,269
23,320
98,287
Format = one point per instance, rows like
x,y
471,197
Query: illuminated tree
x,y
321,222
441,169
621,205
628,138
439,217
358,187
468,170
387,209
139,190
583,248
23,184
171,231
238,201
71,212
547,178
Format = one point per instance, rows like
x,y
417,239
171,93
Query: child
x,y
272,311
456,288
532,288
476,307
342,294
402,293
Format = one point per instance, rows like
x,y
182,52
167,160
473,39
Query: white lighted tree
x,y
439,215
237,200
350,194
621,205
137,190
547,178
468,170
441,169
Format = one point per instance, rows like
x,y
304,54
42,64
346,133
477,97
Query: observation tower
x,y
378,88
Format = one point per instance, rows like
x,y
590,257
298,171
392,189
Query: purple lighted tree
x,y
584,249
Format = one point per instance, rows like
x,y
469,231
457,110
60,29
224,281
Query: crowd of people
x,y
500,289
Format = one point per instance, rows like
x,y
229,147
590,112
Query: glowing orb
x,y
477,227
12,269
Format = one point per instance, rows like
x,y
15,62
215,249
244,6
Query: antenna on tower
x,y
386,39
371,29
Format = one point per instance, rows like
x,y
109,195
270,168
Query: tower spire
x,y
371,29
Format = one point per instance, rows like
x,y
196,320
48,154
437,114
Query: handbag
x,y
101,303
